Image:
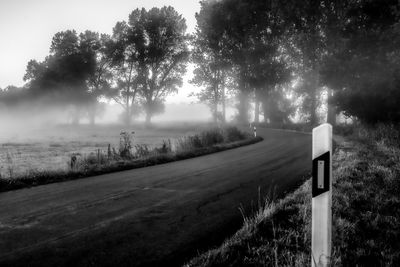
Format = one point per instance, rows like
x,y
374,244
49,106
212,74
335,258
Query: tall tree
x,y
124,55
95,49
149,58
304,20
163,54
251,33
61,78
363,67
208,55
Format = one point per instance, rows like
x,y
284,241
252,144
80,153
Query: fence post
x,y
321,195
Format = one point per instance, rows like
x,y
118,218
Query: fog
x,y
21,121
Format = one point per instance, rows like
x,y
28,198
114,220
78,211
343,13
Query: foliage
x,y
163,54
148,54
209,57
124,57
75,73
210,138
233,134
363,65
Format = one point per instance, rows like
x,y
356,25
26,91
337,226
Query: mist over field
x,y
24,120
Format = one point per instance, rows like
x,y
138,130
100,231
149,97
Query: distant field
x,y
25,151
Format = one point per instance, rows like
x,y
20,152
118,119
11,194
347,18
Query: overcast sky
x,y
27,27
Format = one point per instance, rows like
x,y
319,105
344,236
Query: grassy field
x,y
50,149
366,213
66,153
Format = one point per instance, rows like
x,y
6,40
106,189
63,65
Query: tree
x,y
277,107
95,49
124,55
304,22
61,78
208,55
162,54
363,68
248,36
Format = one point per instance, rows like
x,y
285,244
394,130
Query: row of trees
x,y
348,50
255,50
142,62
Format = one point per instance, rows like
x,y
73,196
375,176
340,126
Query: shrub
x,y
212,137
142,151
165,147
234,134
187,143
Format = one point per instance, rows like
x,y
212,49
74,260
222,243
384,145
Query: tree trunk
x,y
148,118
331,116
313,96
128,116
92,114
313,107
223,105
243,106
257,110
265,108
92,119
76,116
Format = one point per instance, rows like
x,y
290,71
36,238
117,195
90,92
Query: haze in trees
x,y
335,56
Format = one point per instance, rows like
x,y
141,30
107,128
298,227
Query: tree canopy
x,y
343,55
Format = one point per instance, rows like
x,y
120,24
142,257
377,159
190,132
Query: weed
x,y
142,151
125,144
212,137
165,147
10,164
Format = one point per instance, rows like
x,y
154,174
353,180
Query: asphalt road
x,y
154,216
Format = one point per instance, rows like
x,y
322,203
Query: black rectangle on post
x,y
317,190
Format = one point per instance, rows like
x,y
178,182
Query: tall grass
x,y
209,138
366,213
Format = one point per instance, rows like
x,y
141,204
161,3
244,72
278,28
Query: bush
x,y
142,151
212,137
234,134
165,147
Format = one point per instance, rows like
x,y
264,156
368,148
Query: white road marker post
x,y
321,195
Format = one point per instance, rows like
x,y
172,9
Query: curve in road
x,y
154,216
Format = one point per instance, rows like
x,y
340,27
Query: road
x,y
154,216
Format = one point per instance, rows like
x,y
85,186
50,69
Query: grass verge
x,y
207,142
366,214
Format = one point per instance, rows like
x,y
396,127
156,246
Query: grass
x,y
130,156
50,148
366,213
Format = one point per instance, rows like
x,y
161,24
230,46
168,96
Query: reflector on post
x,y
321,195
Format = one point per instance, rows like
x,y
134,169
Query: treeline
x,y
142,62
281,59
344,53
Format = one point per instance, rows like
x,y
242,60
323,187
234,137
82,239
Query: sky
x,y
27,27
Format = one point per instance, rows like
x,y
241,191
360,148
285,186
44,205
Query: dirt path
x,y
155,216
